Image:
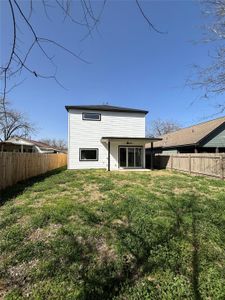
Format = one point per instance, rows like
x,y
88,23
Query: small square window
x,y
91,116
88,154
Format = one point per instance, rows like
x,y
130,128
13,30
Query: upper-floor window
x,y
91,116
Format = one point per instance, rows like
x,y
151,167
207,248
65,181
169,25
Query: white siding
x,y
88,134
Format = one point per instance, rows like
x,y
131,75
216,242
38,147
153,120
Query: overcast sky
x,y
130,65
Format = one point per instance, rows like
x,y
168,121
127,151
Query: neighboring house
x,y
204,137
18,144
104,136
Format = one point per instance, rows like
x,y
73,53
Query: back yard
x,y
113,235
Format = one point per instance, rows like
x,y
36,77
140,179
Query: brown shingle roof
x,y
189,136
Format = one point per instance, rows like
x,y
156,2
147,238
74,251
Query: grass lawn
x,y
113,235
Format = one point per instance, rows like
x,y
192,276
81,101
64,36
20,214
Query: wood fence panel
x,y
181,163
15,167
208,164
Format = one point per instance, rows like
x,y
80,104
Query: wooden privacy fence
x,y
208,164
15,167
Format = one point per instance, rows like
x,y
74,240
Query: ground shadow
x,y
17,189
111,286
106,280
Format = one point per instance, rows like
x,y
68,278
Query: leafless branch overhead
x,y
19,57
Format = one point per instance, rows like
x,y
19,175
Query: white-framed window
x,y
88,154
91,116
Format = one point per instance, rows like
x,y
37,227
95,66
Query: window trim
x,y
97,154
91,113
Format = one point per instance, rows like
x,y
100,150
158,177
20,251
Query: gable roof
x,y
190,135
106,108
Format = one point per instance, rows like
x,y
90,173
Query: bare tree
x,y
13,123
55,143
211,79
159,127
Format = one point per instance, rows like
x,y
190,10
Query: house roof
x,y
106,108
190,135
24,141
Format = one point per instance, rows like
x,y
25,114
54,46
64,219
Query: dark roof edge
x,y
131,138
175,146
133,110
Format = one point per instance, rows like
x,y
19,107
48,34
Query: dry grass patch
x,y
158,173
105,253
94,193
44,234
3,289
19,273
121,222
24,220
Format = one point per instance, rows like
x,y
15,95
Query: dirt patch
x,y
105,253
121,222
17,276
44,234
18,273
38,203
94,193
74,218
19,201
24,220
3,289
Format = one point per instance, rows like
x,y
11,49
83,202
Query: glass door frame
x,y
134,147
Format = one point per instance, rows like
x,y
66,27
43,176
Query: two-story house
x,y
104,136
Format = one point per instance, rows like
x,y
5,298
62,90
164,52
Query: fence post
x,y
172,162
189,163
221,167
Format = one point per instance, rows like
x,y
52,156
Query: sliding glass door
x,y
130,157
138,157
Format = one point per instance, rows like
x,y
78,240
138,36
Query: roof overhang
x,y
129,139
19,142
175,146
98,108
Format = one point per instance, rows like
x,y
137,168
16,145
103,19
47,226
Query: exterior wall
x,y
170,151
217,139
88,134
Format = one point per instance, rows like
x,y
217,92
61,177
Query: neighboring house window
x,y
91,116
88,154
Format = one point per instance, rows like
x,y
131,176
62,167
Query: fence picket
x,y
197,163
15,167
